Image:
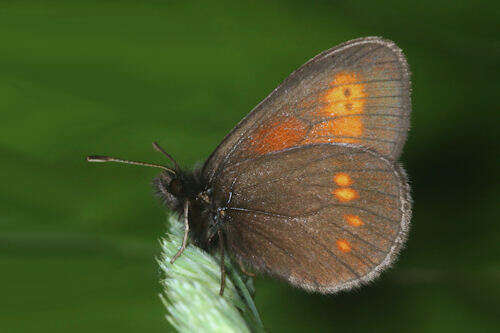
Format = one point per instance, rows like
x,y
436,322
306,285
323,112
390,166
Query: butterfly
x,y
307,187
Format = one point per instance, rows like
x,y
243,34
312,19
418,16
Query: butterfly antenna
x,y
161,150
100,159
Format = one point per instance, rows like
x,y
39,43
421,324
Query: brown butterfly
x,y
307,187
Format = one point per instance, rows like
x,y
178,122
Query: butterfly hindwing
x,y
356,93
324,217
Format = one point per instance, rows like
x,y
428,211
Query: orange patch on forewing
x,y
280,134
353,220
344,194
343,245
346,97
342,179
344,130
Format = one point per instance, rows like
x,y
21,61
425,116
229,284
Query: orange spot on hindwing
x,y
343,245
342,179
345,194
354,220
279,134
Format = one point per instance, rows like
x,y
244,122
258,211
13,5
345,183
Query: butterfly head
x,y
171,189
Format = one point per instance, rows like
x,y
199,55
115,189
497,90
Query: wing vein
x,y
330,252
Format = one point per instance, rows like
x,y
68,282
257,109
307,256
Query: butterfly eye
x,y
176,187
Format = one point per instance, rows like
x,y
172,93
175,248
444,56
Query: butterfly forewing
x,y
325,217
356,93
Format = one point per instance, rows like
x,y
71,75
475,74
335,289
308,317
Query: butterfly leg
x,y
242,268
186,232
222,266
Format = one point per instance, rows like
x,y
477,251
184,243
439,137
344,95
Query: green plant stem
x,y
191,290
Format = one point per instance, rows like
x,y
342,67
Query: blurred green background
x,y
78,242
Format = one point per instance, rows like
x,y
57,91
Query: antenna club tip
x,y
97,158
